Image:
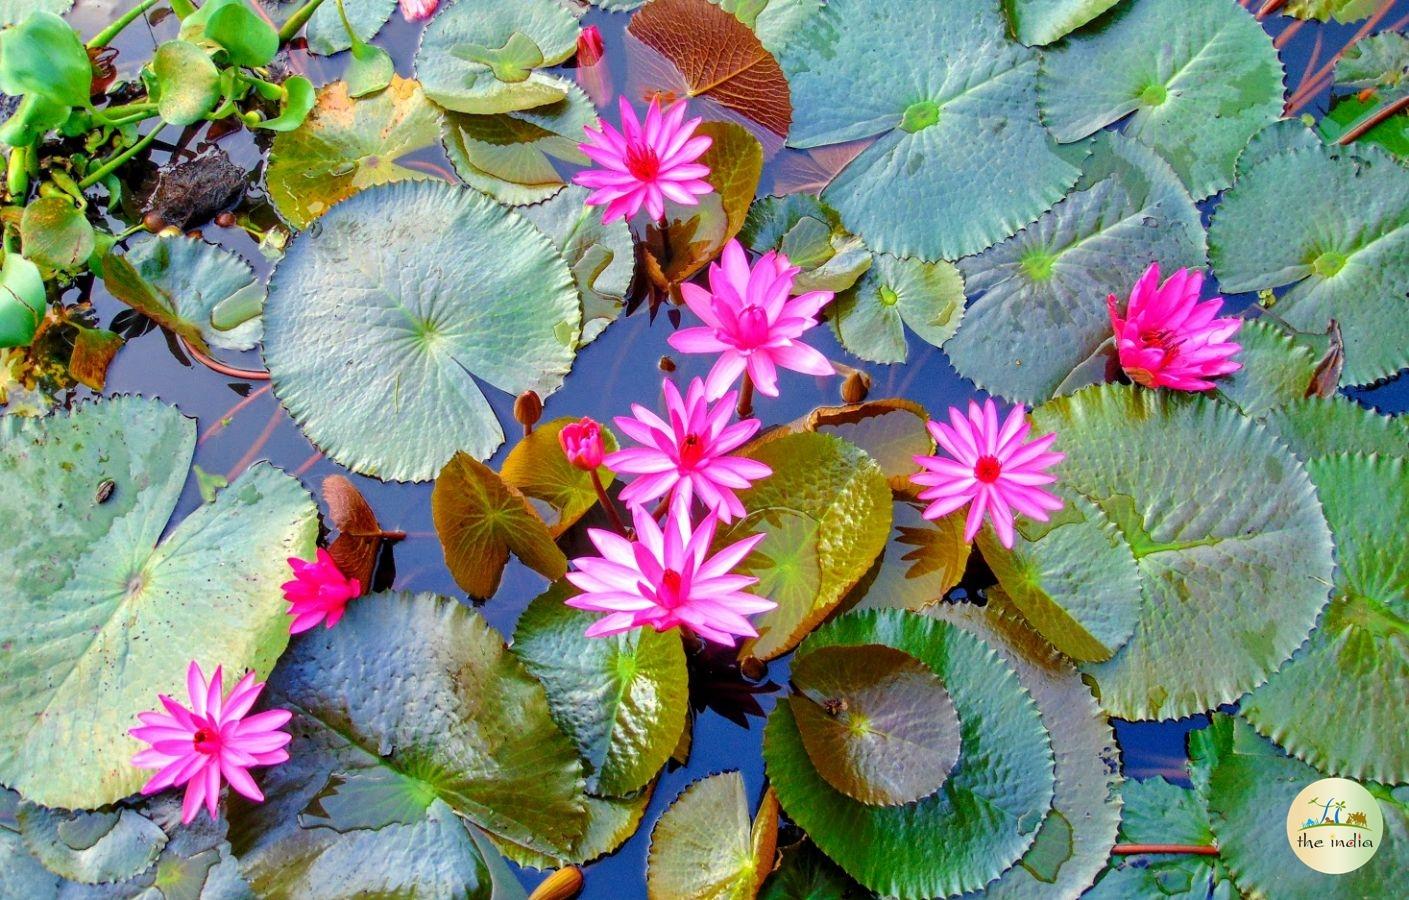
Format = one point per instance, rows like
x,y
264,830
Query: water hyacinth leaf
x,y
93,352
195,278
91,847
510,156
55,233
810,234
692,236
1156,811
374,330
921,562
1237,584
717,58
1080,828
1326,10
451,709
870,318
187,82
23,301
704,845
1073,578
559,491
610,822
1038,22
1343,256
326,33
246,37
926,187
298,99
1317,426
43,55
480,519
1193,80
1358,652
982,819
346,145
1278,366
876,723
125,615
481,58
891,431
622,699
835,505
602,256
1038,321
1249,785
370,70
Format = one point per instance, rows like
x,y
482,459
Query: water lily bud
x,y
753,668
589,46
225,219
563,884
666,364
528,408
582,444
153,222
855,386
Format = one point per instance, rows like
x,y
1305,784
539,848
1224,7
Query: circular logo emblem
x,y
1335,826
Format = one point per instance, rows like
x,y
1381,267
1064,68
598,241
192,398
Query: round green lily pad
x,y
986,814
1277,368
810,234
870,318
1233,576
891,430
326,33
196,278
376,330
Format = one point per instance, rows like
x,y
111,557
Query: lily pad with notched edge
x,y
326,33
1157,811
870,318
91,847
810,234
891,430
102,607
1321,426
375,329
559,491
704,846
197,279
1278,366
921,562
610,822
1038,22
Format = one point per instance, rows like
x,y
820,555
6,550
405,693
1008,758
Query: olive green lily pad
x,y
326,33
610,822
1234,577
375,330
91,847
622,699
1193,80
196,278
876,723
810,234
950,94
559,491
921,562
1038,22
704,847
891,430
987,813
481,57
510,156
1344,255
1326,10
346,145
805,872
451,718
1039,325
870,318
101,607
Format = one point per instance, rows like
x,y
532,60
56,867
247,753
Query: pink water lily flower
x,y
994,468
212,739
752,322
318,592
665,579
645,164
687,456
416,10
1167,338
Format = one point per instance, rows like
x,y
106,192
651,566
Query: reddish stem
x,y
607,504
220,423
1375,118
1269,8
218,366
1189,849
746,397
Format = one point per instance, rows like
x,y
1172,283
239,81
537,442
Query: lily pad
x,y
481,57
610,822
12,12
1316,426
988,811
870,318
1358,653
1235,579
1326,10
810,234
1156,811
375,330
1343,256
876,723
1038,22
890,430
452,721
805,872
948,95
1193,80
100,607
602,255
622,699
921,562
480,519
510,156
91,847
198,278
704,847
326,33
774,21
346,145
559,491
836,505
1277,368
1039,320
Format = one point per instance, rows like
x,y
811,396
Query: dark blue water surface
x,y
241,422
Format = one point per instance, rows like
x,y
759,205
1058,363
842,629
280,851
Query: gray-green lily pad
x,y
375,330
984,817
1233,577
774,21
1038,22
91,847
947,95
610,822
1380,62
704,846
1038,325
870,318
101,607
810,234
1278,366
326,33
1320,426
482,57
1194,80
920,563
12,12
1344,255
1156,811
198,278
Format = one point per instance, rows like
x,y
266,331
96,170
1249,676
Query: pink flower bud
x,y
589,46
582,444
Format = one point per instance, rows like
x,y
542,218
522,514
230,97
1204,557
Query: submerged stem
x,y
104,37
607,504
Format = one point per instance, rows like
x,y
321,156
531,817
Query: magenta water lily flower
x,y
582,444
213,740
1167,338
665,579
318,592
752,322
645,164
686,455
995,469
416,10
